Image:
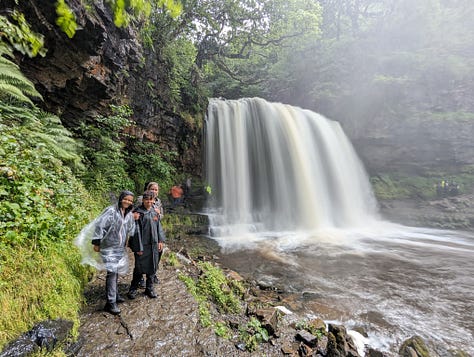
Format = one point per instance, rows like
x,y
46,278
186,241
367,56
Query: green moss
x,y
395,185
212,286
252,334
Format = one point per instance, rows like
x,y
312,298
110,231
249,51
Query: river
x,y
391,280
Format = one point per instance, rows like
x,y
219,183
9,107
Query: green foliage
x,y
38,285
45,130
148,163
20,36
171,259
42,211
222,330
305,325
40,194
14,86
263,34
213,286
126,11
397,185
66,19
106,166
203,305
180,55
449,116
252,334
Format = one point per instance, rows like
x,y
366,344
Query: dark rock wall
x,y
417,146
101,65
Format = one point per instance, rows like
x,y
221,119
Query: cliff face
x,y
102,65
417,146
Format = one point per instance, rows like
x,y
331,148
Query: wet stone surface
x,y
166,326
145,326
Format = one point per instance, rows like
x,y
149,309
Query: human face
x,y
127,201
155,189
148,202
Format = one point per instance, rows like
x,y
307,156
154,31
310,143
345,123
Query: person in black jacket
x,y
146,245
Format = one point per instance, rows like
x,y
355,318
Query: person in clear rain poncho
x,y
108,234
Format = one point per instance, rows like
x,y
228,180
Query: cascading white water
x,y
276,167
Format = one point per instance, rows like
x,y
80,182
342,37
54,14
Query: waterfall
x,y
276,167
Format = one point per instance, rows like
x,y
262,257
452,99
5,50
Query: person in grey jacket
x,y
146,244
111,231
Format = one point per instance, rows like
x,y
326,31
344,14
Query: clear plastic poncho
x,y
112,229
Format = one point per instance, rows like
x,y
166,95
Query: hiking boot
x,y
156,280
132,294
112,308
141,284
119,299
151,293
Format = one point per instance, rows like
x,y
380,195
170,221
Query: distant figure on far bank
x,y
176,193
445,188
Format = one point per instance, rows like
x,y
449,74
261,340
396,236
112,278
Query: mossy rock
x,y
415,344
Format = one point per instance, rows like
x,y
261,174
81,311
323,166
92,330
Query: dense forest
x,y
398,75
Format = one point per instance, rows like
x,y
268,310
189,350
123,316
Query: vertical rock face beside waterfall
x,y
416,146
102,64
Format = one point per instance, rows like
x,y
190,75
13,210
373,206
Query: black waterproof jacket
x,y
146,239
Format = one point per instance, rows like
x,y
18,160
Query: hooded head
x,y
123,194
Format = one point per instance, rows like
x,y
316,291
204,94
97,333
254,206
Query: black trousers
x,y
137,277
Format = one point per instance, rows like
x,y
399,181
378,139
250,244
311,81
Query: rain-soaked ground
x,y
166,326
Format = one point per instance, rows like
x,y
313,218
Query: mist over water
x,y
291,204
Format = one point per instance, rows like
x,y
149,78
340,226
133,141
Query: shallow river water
x,y
392,280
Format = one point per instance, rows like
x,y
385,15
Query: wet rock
x,y
268,319
317,325
44,335
374,353
307,338
360,330
304,350
322,346
339,343
414,347
287,349
234,275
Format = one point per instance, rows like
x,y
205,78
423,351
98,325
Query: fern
x,y
14,86
43,128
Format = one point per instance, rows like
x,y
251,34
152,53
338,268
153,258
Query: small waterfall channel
x,y
292,206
